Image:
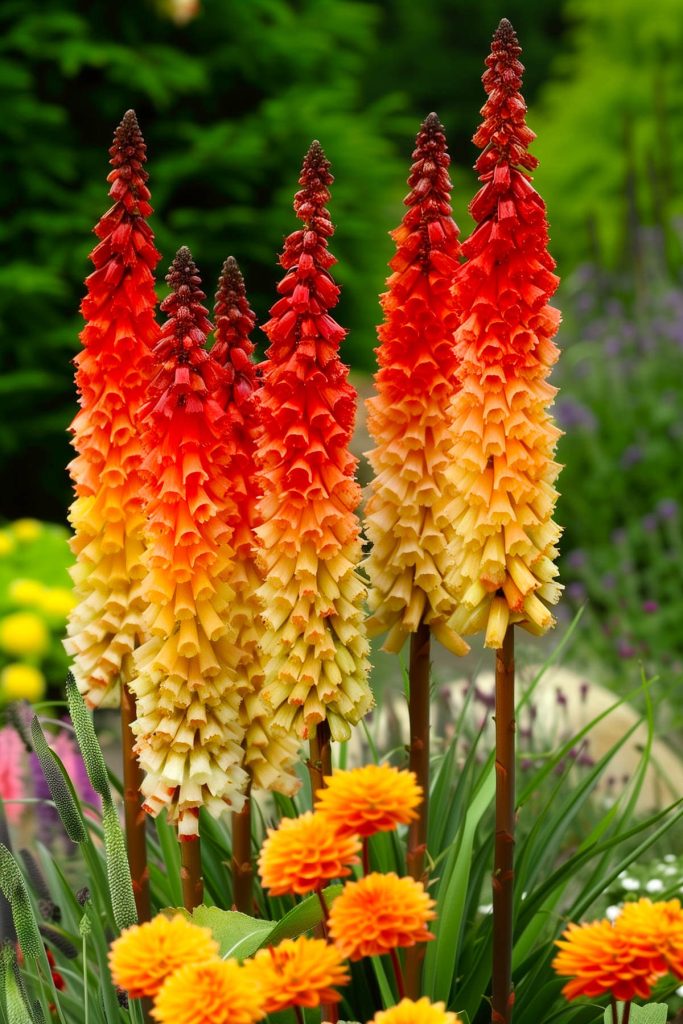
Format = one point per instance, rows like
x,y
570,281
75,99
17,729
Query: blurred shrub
x,y
35,598
621,394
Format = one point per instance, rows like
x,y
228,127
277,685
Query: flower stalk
x,y
191,873
242,866
135,815
503,864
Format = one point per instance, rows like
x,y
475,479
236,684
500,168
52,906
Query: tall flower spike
x,y
315,645
112,372
187,728
502,466
270,759
409,418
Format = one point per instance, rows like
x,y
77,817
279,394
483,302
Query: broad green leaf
x,y
237,935
304,915
651,1013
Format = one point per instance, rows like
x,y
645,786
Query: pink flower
x,y
11,777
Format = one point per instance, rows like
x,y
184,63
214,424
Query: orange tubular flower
x,y
601,958
144,956
315,648
409,419
269,759
375,798
216,992
420,1012
112,372
187,728
502,467
379,913
302,853
298,972
655,926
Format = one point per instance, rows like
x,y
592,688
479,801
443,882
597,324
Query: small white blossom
x,y
486,908
654,885
630,884
613,912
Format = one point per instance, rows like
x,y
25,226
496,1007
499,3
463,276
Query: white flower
x,y
669,858
630,884
613,912
654,885
486,908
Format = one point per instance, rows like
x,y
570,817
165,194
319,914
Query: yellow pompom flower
x,y
6,543
374,798
27,530
21,682
23,633
56,601
215,992
420,1012
303,853
298,972
144,956
379,913
25,591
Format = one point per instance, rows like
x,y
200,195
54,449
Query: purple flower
x,y
667,509
650,522
577,559
625,649
650,606
577,592
573,415
631,456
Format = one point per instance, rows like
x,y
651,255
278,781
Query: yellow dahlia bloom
x,y
379,913
315,647
420,1012
374,798
409,418
298,972
113,370
144,956
213,992
303,853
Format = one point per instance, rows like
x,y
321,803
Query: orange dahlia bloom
x,y
302,853
502,469
188,731
269,758
374,798
113,369
655,926
602,958
144,956
298,972
215,992
409,419
378,913
420,1012
315,648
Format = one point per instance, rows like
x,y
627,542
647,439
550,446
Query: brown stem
x,y
615,1015
298,1013
320,759
191,873
242,865
626,1016
503,865
419,764
398,974
325,910
136,818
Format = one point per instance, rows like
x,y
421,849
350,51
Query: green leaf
x,y
304,915
237,935
651,1013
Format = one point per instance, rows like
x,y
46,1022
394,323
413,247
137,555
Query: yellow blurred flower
x,y
21,682
26,530
144,956
23,633
25,591
57,601
420,1012
6,543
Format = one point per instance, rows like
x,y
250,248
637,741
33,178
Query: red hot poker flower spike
x,y
409,419
502,460
187,728
270,759
112,372
315,645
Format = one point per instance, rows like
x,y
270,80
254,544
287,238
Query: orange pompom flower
x,y
655,926
144,956
502,467
419,1012
269,759
601,958
298,972
409,418
188,732
315,648
379,913
112,373
215,992
302,853
374,798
